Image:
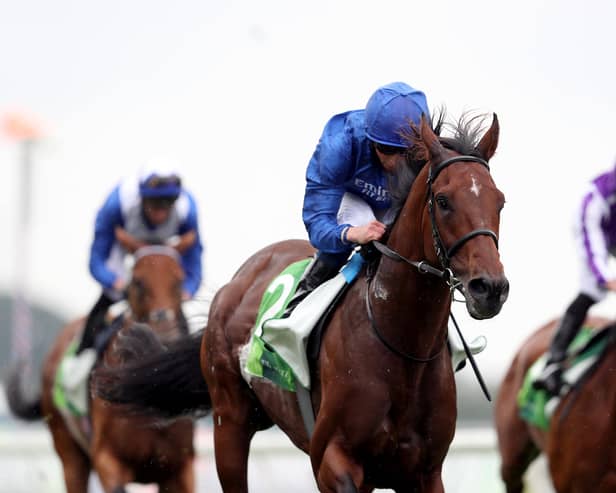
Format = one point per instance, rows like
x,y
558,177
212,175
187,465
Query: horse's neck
x,y
414,306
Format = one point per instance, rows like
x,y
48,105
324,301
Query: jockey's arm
x,y
107,218
183,242
594,238
128,241
191,250
366,233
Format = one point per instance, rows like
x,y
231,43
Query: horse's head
x,y
155,289
461,211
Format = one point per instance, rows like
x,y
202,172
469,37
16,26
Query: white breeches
x,y
356,211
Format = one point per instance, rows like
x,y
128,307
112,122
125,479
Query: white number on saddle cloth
x,y
286,281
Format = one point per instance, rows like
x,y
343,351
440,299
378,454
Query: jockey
x,y
595,236
153,208
347,200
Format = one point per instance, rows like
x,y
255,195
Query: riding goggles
x,y
389,150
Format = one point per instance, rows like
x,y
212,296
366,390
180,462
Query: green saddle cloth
x,y
262,360
533,403
60,397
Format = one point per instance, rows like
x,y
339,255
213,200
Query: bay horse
x,y
385,405
579,442
121,448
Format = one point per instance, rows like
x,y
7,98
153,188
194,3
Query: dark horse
x,y
121,448
385,405
579,443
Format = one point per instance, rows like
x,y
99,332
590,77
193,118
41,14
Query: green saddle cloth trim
x,y
262,360
531,401
60,399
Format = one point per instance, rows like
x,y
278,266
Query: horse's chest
x,y
411,442
403,458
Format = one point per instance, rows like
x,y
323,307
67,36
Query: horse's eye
x,y
443,203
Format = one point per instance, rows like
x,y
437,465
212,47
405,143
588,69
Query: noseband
x,y
444,255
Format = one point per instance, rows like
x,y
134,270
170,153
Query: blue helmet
x,y
389,110
158,179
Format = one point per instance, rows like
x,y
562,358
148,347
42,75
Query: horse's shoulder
x,y
235,304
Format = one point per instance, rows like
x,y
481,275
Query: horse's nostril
x,y
482,288
505,288
479,287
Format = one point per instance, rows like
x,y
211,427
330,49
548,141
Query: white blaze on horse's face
x,y
475,187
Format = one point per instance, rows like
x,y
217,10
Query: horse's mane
x,y
463,137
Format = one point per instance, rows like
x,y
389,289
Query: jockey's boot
x,y
550,378
316,274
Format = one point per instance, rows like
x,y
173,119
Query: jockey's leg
x,y
551,377
323,268
94,320
76,368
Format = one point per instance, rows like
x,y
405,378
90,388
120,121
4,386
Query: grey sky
x,y
239,93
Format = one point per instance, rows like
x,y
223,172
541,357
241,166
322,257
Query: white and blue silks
x,y
123,208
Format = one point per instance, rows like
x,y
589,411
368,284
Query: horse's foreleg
x,y
75,463
517,449
76,470
231,446
338,472
516,446
112,473
608,483
182,482
428,483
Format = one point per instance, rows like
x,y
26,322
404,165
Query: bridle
x,y
444,254
161,314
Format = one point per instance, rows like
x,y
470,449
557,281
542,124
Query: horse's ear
x,y
488,143
430,140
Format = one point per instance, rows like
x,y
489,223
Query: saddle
x,y
70,394
537,406
278,348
